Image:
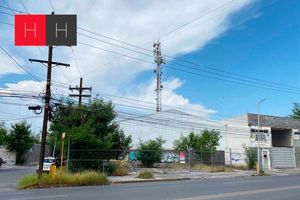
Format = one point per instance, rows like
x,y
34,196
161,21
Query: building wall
x,y
33,155
237,135
169,125
297,147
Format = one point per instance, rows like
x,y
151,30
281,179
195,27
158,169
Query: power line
x,y
134,104
24,6
269,84
22,118
20,66
7,23
12,11
5,13
196,19
50,2
236,81
249,79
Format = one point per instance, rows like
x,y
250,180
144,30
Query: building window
x,y
261,136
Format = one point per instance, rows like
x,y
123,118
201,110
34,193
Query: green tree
x,y
3,134
296,111
150,152
204,144
20,140
91,126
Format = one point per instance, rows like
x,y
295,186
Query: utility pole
x,y
258,134
80,90
159,60
47,103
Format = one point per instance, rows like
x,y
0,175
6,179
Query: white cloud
x,y
25,86
171,100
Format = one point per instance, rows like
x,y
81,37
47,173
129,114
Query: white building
x,y
278,140
169,124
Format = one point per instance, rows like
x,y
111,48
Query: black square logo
x,y
61,30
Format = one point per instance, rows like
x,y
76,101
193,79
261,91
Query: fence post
x,y
230,153
211,160
68,155
190,167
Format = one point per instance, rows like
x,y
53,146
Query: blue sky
x,y
255,38
266,47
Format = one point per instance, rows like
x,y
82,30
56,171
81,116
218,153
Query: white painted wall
x,y
237,136
173,124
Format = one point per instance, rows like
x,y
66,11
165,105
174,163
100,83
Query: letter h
x,y
63,30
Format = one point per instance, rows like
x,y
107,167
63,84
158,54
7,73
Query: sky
x,y
223,56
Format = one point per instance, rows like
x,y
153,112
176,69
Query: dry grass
x,y
66,179
145,175
200,167
122,168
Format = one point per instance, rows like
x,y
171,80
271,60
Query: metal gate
x,y
283,157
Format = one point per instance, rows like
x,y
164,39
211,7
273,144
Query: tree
x,y
186,142
20,140
90,126
204,144
296,111
3,134
150,152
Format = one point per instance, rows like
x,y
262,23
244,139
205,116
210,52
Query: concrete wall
x,y
171,125
237,135
297,149
33,155
8,156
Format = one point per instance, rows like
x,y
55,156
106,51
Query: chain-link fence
x,y
98,159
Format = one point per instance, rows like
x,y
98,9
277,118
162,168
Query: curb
x,y
150,180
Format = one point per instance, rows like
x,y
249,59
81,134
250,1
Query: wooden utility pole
x,y
47,104
80,90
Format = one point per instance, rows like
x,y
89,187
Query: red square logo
x,y
30,30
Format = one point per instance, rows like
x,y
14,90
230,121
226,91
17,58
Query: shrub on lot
x,y
145,175
66,179
150,152
251,157
117,168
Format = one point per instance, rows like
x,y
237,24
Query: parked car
x,y
48,161
2,162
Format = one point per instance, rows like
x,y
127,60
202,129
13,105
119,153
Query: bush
x,y
122,169
145,175
251,157
66,179
150,152
116,168
110,168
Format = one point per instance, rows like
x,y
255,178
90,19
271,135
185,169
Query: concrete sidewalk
x,y
176,175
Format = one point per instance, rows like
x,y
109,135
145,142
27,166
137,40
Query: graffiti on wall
x,y
169,157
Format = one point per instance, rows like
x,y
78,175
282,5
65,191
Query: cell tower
x,y
159,60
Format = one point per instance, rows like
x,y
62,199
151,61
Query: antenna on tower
x,y
159,60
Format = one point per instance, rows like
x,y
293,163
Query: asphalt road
x,y
250,188
10,175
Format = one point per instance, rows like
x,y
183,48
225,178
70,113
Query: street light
x,y
258,133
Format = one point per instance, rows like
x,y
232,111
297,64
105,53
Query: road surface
x,y
249,188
